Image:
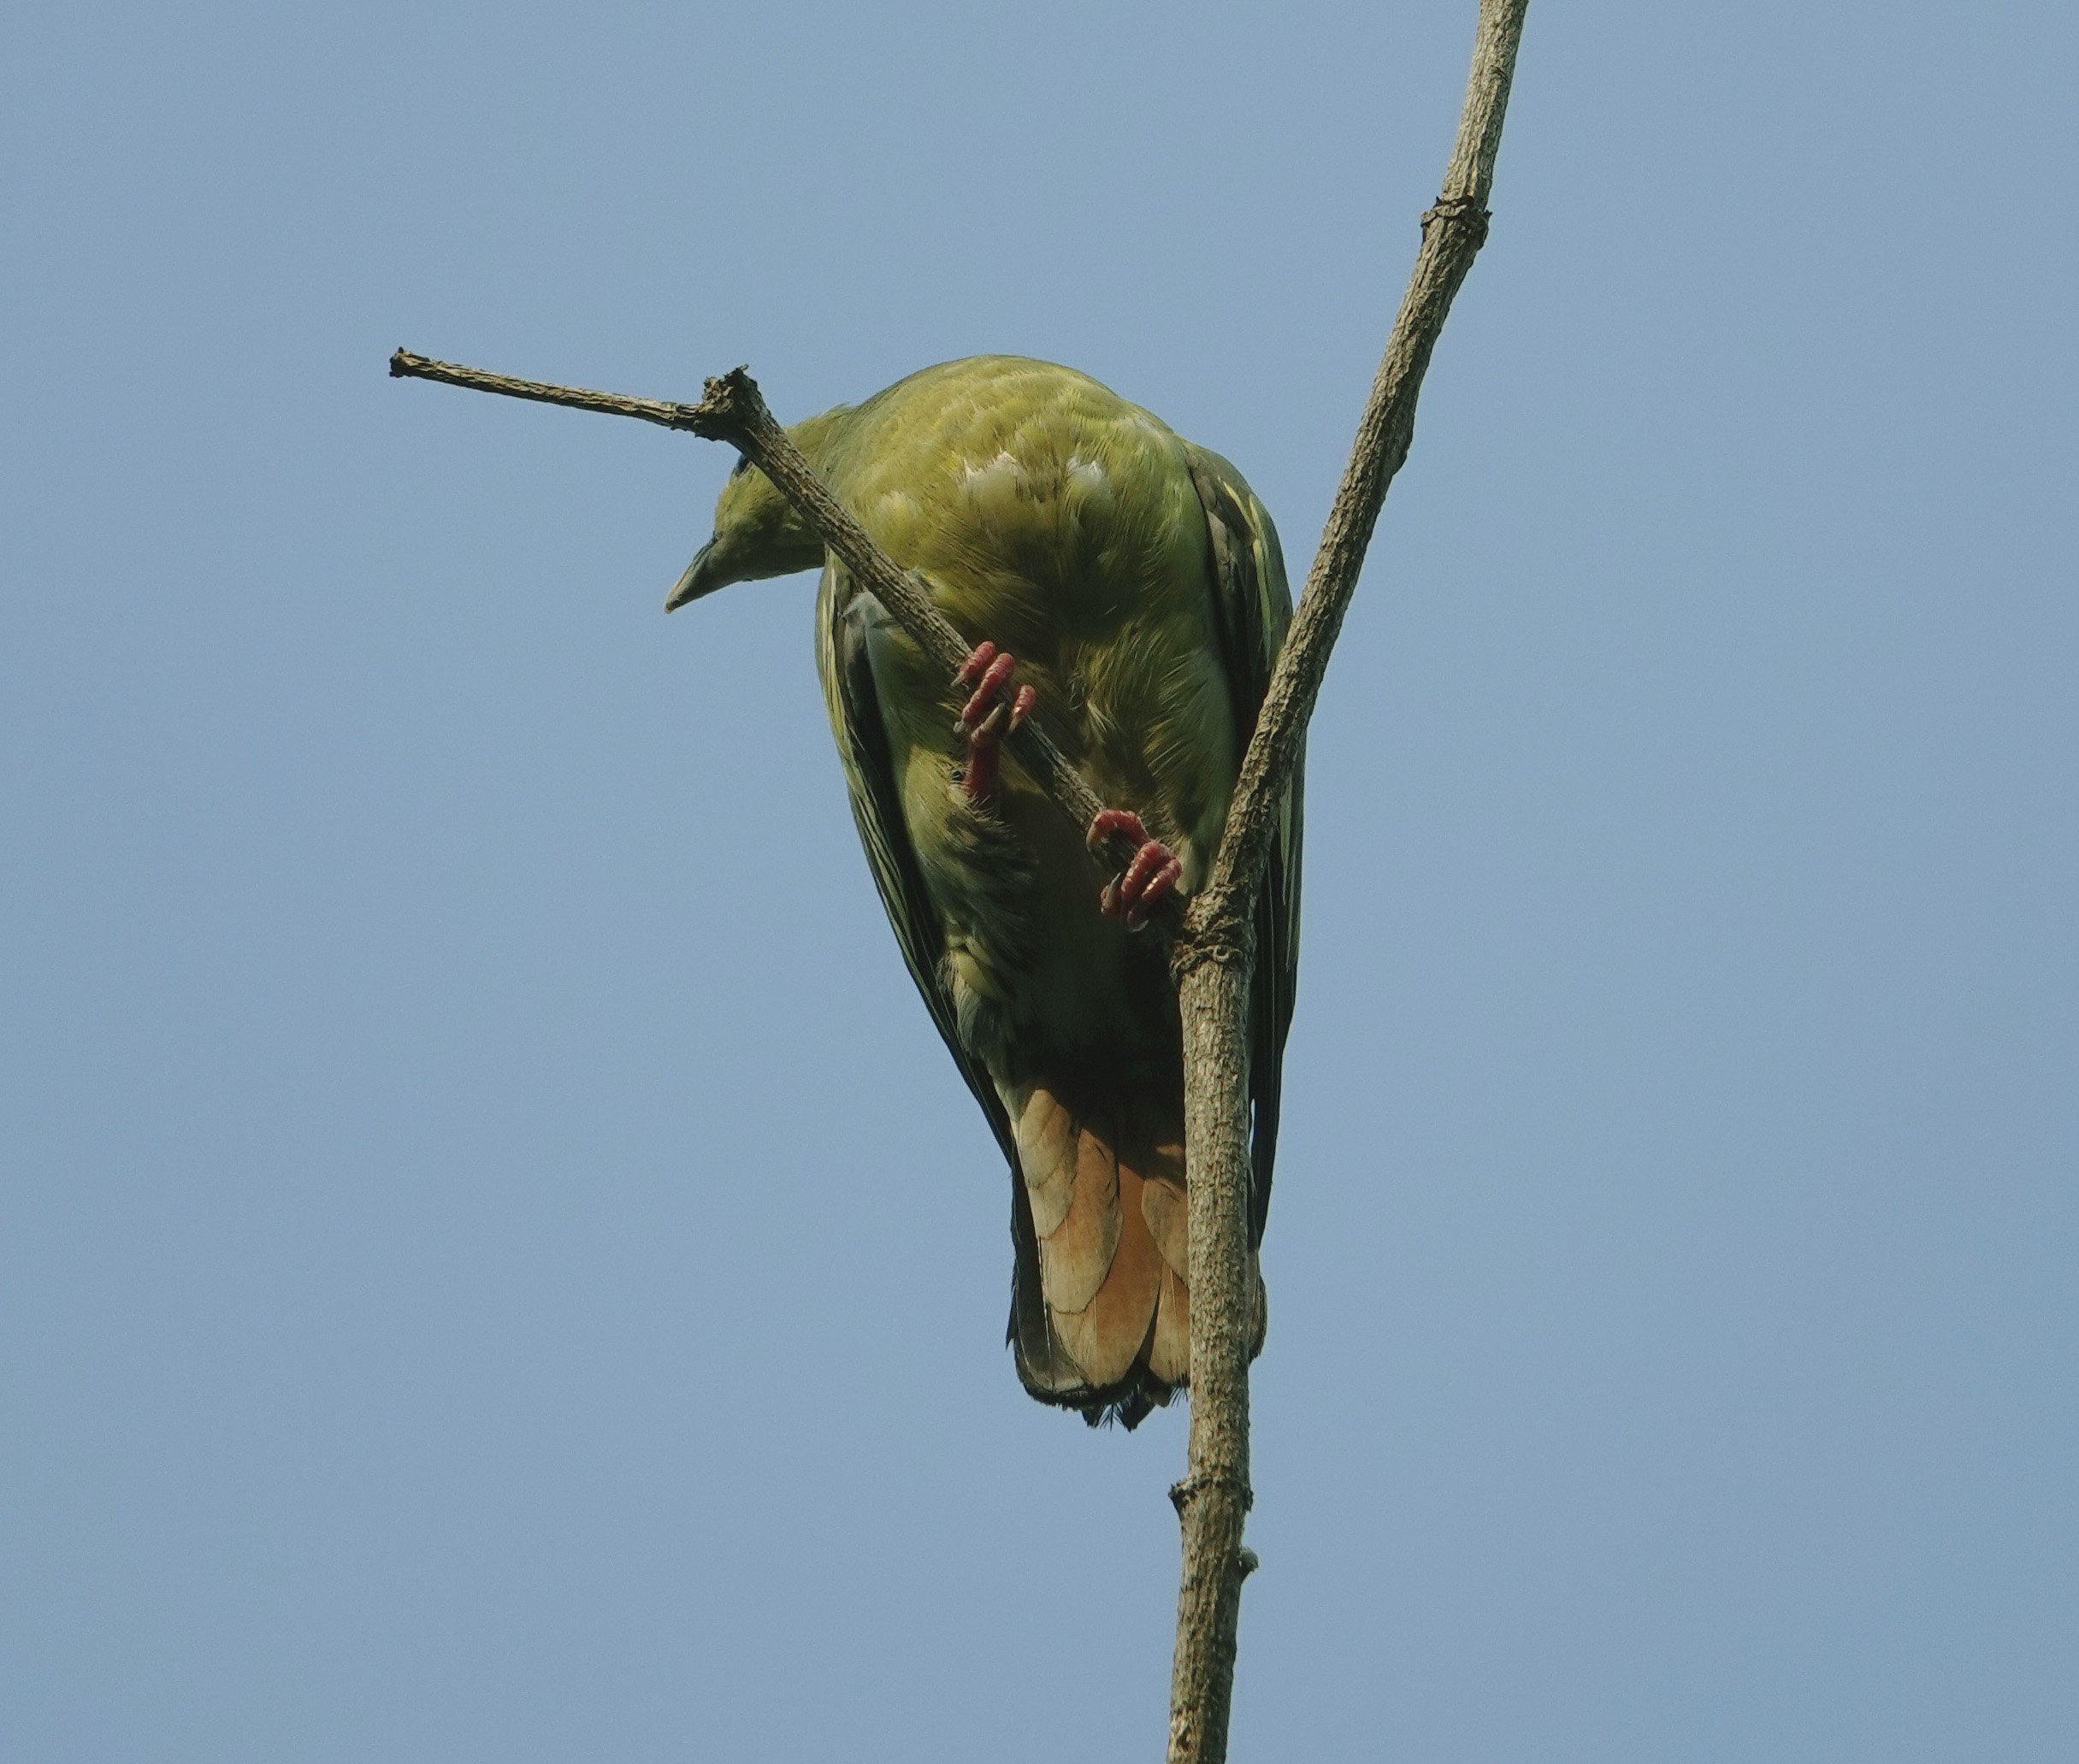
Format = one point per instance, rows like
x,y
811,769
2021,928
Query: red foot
x,y
1153,873
988,717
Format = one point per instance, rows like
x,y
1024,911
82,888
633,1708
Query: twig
x,y
1213,959
734,411
699,419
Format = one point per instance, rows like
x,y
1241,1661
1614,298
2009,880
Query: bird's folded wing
x,y
1254,608
843,617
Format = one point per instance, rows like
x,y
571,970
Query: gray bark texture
x,y
1212,1500
1211,952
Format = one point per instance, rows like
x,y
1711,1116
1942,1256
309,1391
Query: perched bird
x,y
1124,589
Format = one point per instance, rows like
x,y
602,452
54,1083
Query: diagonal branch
x,y
734,411
1453,232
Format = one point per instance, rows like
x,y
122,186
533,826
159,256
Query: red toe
x,y
982,709
1106,822
1153,871
991,712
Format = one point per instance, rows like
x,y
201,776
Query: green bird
x,y
1126,588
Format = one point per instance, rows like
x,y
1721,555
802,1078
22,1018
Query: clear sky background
x,y
496,1265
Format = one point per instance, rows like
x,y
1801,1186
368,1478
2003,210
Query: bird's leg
x,y
988,717
1132,896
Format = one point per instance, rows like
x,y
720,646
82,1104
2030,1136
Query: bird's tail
x,y
1100,1311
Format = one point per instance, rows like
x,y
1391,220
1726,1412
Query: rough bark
x,y
1212,948
1212,1500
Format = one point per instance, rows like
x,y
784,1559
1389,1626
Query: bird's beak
x,y
694,583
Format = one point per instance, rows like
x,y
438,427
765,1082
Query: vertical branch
x,y
1212,1500
1214,961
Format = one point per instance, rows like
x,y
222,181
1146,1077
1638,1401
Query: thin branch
x,y
1453,232
1214,960
734,411
695,419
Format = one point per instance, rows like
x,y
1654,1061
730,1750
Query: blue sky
x,y
494,1261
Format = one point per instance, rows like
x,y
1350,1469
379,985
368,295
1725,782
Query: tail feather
x,y
1101,1313
1080,1255
1166,1209
1046,1141
1169,1351
1107,1335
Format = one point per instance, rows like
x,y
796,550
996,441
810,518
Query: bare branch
x,y
1453,232
734,411
404,365
1214,960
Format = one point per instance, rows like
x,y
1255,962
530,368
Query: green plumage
x,y
1139,582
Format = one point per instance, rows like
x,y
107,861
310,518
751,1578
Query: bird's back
x,y
1061,523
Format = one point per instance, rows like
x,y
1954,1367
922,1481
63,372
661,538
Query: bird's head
x,y
757,532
